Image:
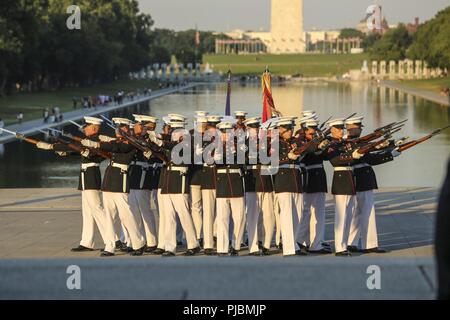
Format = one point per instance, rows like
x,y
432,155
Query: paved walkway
x,y
33,126
39,226
425,94
46,223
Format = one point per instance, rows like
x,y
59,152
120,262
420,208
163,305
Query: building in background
x,y
286,33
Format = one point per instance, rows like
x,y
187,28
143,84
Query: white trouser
x,y
276,210
196,209
364,225
178,204
113,201
162,201
236,208
209,213
140,202
344,207
312,229
154,207
92,214
260,219
291,205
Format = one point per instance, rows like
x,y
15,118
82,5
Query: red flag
x,y
269,109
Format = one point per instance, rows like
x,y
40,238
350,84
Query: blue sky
x,y
223,15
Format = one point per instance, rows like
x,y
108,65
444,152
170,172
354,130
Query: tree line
x,y
38,51
430,43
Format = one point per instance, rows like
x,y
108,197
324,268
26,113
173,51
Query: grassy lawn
x,y
32,104
310,65
429,84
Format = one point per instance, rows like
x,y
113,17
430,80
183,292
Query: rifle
x,y
67,135
379,132
20,136
371,146
134,141
324,123
80,149
413,143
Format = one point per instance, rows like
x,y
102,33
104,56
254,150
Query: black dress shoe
x,y
81,248
265,252
210,252
301,252
326,244
158,251
321,251
234,252
343,254
279,246
353,249
120,245
168,254
192,252
222,254
137,252
150,249
106,254
374,250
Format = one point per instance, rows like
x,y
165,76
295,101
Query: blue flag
x,y
228,105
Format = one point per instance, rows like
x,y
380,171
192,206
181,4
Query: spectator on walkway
x,y
45,115
74,101
20,117
85,102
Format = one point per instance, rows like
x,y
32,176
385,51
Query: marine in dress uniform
x,y
363,230
195,171
140,184
160,169
208,186
259,199
116,186
343,186
288,186
176,187
315,192
230,200
89,185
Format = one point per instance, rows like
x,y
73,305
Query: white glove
x,y
293,156
155,140
148,154
382,145
395,153
325,143
104,138
356,155
90,144
85,153
61,153
44,145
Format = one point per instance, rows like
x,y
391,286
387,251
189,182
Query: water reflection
x,y
24,166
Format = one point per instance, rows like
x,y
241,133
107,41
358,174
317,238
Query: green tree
x,y
432,41
351,33
392,45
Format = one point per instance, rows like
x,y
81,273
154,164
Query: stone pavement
x,y
33,126
39,226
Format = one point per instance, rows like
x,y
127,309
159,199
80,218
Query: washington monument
x,y
287,27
